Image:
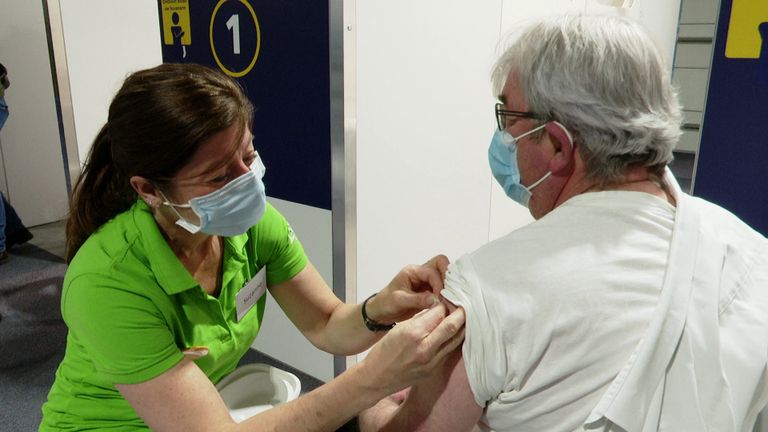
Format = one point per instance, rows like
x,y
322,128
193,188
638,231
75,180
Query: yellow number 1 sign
x,y
234,25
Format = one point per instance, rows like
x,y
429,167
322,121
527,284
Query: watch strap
x,y
371,324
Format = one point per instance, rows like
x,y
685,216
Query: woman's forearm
x,y
345,332
330,325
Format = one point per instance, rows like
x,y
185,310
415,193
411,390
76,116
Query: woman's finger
x,y
439,262
449,346
410,301
445,330
419,276
425,323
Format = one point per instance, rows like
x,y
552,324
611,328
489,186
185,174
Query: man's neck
x,y
639,179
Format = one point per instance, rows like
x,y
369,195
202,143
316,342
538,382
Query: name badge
x,y
251,293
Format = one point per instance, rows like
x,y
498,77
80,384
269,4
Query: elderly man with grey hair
x,y
627,305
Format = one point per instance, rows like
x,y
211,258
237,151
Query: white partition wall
x,y
425,119
279,337
105,41
31,162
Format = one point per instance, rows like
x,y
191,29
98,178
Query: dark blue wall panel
x,y
733,156
284,66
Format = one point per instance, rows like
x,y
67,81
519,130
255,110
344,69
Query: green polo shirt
x,y
131,308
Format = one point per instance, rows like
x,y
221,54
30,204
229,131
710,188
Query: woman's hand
x,y
413,289
411,351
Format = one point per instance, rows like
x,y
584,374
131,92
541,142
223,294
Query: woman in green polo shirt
x,y
172,244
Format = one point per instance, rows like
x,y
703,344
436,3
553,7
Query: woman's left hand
x,y
415,288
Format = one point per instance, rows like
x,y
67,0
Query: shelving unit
x,y
693,59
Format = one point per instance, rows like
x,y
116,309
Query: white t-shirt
x,y
555,309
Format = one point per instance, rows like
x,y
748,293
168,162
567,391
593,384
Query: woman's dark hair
x,y
156,122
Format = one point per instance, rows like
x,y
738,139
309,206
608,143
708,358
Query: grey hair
x,y
603,78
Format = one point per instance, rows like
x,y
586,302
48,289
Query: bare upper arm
x,y
443,402
180,399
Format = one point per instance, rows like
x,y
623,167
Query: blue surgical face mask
x,y
231,210
502,157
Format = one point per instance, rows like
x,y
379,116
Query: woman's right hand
x,y
413,349
413,289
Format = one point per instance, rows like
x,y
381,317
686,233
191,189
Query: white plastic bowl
x,y
257,387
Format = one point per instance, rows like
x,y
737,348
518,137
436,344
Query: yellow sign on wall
x,y
744,39
176,28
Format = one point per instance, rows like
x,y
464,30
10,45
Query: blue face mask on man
x,y
231,210
502,157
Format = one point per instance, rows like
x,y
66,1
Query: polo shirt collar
x,y
170,273
235,257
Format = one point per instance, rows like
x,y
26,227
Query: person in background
x,y
12,230
627,305
3,252
5,83
172,246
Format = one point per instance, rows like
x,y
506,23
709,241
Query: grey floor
x,y
49,237
32,334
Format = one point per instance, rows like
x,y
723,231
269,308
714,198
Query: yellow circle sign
x,y
236,74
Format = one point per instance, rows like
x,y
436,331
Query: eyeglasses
x,y
502,114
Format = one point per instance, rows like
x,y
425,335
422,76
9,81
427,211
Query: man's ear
x,y
562,163
146,190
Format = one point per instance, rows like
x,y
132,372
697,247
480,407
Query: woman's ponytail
x,y
100,194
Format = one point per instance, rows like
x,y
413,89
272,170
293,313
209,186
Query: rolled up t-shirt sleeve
x,y
122,333
484,352
278,247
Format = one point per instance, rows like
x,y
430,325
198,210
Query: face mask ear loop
x,y
539,181
182,222
567,133
170,204
549,173
534,130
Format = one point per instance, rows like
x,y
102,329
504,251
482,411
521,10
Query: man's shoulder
x,y
582,212
722,224
745,251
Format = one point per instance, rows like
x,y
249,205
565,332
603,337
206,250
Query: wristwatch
x,y
373,325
